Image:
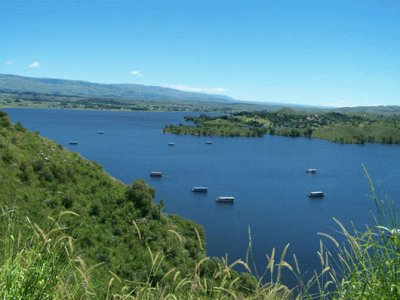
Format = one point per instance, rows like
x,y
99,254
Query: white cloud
x,y
136,73
208,90
35,64
8,62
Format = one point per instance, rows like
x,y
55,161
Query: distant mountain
x,y
380,109
84,94
61,87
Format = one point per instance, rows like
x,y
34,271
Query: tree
x,y
142,196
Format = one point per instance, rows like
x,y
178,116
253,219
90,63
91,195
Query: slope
x,y
118,226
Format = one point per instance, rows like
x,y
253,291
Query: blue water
x,y
266,176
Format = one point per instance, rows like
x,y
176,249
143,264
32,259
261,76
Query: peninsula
x,y
356,128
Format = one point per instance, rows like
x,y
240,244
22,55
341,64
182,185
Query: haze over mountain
x,y
21,84
84,94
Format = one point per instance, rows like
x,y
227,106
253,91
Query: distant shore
x,y
331,126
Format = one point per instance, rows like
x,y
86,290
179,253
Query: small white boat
x,y
317,194
311,171
100,132
155,174
209,142
200,189
171,144
225,199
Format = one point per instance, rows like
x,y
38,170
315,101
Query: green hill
x,y
117,224
63,217
379,109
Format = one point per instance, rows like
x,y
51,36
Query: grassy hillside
x,y
64,218
40,179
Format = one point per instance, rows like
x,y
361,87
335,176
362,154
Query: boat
x,y
100,132
317,194
171,144
200,189
155,174
225,199
311,171
209,142
73,143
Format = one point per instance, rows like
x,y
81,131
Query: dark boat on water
x,y
225,199
155,174
200,189
317,194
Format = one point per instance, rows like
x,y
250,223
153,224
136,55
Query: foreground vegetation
x,y
332,126
38,264
70,231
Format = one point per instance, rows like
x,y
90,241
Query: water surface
x,y
266,175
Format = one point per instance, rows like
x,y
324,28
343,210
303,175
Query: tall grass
x,y
222,283
362,265
39,265
366,265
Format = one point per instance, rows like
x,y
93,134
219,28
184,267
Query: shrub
x,y
67,201
7,157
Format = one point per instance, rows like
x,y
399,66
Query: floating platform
x,y
225,199
317,194
200,189
156,174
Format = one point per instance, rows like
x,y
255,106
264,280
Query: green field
x,y
332,126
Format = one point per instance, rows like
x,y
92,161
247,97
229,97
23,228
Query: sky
x,y
329,53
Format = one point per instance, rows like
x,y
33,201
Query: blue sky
x,y
334,53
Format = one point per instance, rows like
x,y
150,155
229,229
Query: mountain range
x,y
62,87
84,94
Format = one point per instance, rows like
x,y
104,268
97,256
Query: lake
x,y
266,175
